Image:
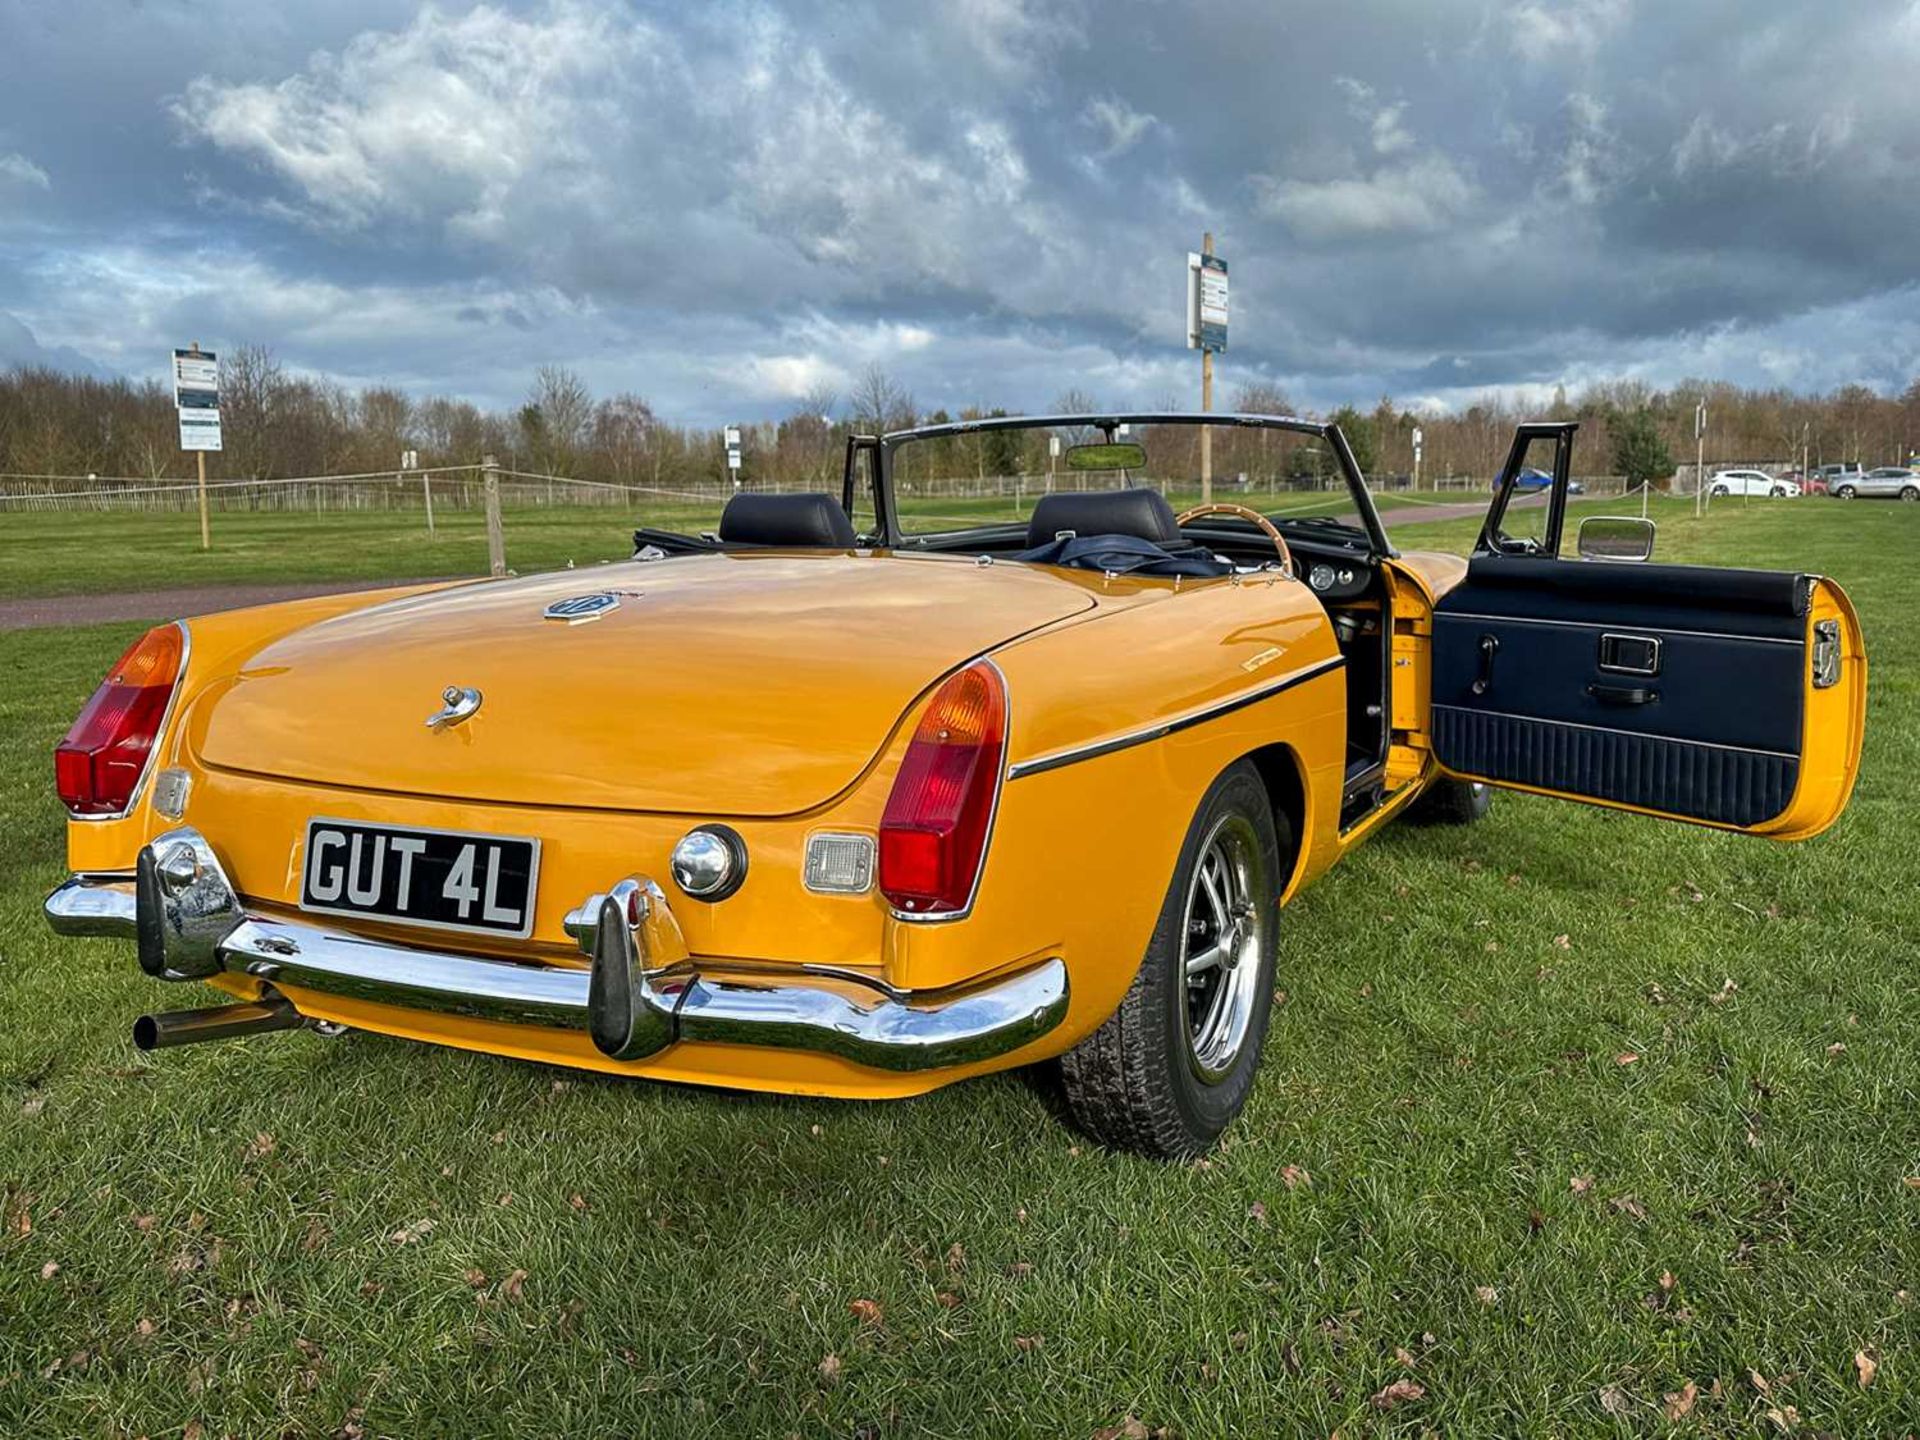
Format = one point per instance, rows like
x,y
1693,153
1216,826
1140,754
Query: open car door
x,y
1731,698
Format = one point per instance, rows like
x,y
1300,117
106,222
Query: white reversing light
x,y
839,864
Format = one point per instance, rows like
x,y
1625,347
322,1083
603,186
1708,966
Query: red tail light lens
x,y
99,765
935,827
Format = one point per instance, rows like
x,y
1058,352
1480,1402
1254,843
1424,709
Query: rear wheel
x,y
1845,492
1718,490
1173,1065
1910,494
1453,802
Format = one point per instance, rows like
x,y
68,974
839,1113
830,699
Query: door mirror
x,y
1616,537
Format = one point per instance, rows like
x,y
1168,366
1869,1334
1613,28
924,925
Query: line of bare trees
x,y
279,424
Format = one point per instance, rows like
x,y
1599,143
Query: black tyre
x,y
1845,492
1779,492
1910,494
1453,802
1718,490
1174,1064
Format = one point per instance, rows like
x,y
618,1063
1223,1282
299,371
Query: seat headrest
x,y
807,519
1141,513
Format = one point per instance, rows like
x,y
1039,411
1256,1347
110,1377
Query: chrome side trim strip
x,y
1042,763
1615,730
1610,624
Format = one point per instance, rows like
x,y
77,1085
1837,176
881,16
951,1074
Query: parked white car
x,y
1751,482
1890,482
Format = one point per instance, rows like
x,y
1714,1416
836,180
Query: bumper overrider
x,y
642,993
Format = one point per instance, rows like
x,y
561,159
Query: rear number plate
x,y
447,879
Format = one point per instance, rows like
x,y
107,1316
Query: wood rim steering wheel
x,y
1227,507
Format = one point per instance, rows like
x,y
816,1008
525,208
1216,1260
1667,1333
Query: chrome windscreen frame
x,y
1326,432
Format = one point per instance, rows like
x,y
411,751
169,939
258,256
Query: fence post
x,y
426,493
496,539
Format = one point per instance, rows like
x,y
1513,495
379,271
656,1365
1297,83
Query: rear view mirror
x,y
1616,537
1114,455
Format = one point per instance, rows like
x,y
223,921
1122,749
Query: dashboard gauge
x,y
1321,577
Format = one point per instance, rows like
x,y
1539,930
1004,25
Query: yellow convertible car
x,y
858,795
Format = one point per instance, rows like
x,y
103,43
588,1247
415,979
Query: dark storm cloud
x,y
725,206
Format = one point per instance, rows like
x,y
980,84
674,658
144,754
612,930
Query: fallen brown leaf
x,y
1563,942
956,1258
1020,1269
1614,1400
1485,1294
1400,1392
867,1312
411,1233
1128,1429
1629,1205
1580,1184
1026,1344
1626,1057
1258,1211
947,1299
829,1370
1784,1416
1678,1404
514,1286
578,1201
50,1269
1293,1176
475,1278
33,1105
1403,1357
261,1145
1865,1367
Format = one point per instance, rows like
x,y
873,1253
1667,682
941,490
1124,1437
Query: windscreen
x,y
951,482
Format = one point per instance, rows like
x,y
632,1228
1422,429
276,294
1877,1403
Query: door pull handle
x,y
1489,647
1623,694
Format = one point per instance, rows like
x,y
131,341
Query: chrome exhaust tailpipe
x,y
216,1022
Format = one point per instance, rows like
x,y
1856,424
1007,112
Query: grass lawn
x,y
69,553
1562,1113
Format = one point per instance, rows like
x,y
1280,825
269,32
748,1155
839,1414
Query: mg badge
x,y
578,609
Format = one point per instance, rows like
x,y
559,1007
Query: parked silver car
x,y
1888,482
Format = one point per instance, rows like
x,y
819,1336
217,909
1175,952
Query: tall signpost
x,y
1699,456
1418,440
1206,332
733,454
196,395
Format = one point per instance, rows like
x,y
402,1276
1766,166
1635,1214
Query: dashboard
x,y
1333,572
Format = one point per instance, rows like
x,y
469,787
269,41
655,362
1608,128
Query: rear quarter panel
x,y
1082,854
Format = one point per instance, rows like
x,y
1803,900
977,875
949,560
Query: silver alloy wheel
x,y
1220,945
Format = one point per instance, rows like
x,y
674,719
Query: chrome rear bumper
x,y
642,993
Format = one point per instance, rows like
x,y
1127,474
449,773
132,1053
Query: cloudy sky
x,y
721,205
